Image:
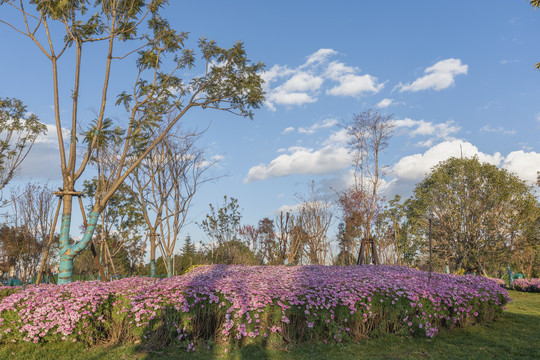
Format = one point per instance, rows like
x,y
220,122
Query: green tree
x,y
479,212
18,132
157,97
222,227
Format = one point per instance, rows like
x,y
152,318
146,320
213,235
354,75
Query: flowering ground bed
x,y
238,305
532,285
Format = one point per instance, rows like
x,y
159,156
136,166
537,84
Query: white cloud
x,y
319,56
412,169
438,77
384,103
524,164
505,61
335,70
355,85
338,138
288,130
285,98
427,128
500,129
538,117
302,85
320,125
302,82
415,167
302,161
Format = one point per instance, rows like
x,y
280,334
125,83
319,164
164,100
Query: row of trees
x,y
148,169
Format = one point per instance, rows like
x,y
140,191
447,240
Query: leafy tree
x,y
222,227
345,243
157,97
269,246
369,133
18,132
479,213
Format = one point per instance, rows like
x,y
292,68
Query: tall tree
x,y
369,133
479,212
18,132
157,98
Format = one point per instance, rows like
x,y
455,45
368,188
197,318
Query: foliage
x,y
154,101
222,226
479,212
19,130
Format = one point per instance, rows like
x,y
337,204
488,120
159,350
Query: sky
x,y
458,78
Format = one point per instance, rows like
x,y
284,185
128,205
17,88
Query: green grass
x,y
516,335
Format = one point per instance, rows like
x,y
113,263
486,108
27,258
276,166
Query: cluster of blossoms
x,y
251,303
498,281
532,285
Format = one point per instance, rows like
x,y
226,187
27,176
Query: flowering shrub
x,y
498,281
532,285
241,304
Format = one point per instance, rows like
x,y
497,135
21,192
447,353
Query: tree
x,y
157,98
18,132
479,213
345,243
315,216
31,226
222,227
369,133
269,246
165,184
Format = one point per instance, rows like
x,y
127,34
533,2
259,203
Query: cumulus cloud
x,y
300,160
524,164
415,167
303,84
384,103
355,85
411,169
287,130
319,125
426,128
437,77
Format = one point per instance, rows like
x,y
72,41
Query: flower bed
x,y
532,285
237,305
498,281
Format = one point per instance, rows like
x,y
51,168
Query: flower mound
x,y
242,304
532,285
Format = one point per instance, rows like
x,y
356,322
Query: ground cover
x,y
515,335
240,306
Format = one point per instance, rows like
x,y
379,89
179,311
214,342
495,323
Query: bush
x,y
239,305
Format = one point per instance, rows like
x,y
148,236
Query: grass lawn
x,y
516,335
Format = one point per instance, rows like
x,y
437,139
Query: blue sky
x,y
457,76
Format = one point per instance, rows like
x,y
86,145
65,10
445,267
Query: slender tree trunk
x,y
169,266
153,254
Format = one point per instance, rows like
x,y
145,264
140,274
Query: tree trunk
x,y
152,254
67,252
169,267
